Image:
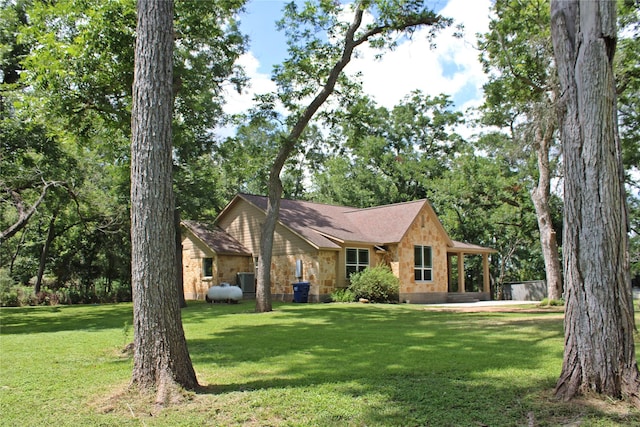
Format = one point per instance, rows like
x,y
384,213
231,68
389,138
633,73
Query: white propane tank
x,y
224,292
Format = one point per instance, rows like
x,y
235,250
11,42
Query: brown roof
x,y
326,225
216,239
468,248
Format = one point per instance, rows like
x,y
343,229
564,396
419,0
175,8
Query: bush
x,y
377,284
552,302
343,295
8,291
52,292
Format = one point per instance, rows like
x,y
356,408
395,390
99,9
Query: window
x,y
423,266
207,267
357,260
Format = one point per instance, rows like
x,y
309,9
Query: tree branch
x,y
24,213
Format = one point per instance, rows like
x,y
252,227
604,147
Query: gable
x,y
243,220
215,239
298,218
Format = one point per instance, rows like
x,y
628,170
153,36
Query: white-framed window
x,y
357,260
207,267
423,263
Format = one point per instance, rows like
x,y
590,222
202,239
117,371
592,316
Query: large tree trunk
x,y
540,197
161,360
599,351
263,290
44,254
179,266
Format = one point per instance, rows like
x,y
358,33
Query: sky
x,y
451,68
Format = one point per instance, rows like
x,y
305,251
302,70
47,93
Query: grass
x,y
300,365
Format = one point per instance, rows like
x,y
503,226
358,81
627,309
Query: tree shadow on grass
x,y
447,367
29,320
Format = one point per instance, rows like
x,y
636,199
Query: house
x,y
332,242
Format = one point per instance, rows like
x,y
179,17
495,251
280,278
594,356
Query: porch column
x,y
448,272
485,273
461,272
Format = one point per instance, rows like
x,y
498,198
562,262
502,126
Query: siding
x,y
244,222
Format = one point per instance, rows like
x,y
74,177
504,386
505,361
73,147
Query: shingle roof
x,y
468,248
323,224
216,239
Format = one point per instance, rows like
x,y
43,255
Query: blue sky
x,y
452,68
267,44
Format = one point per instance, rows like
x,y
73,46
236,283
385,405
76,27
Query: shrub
x,y
8,291
26,297
6,282
343,295
552,302
377,284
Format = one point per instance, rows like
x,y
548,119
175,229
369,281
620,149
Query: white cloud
x,y
414,65
237,103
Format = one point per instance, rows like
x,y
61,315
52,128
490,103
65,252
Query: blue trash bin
x,y
301,292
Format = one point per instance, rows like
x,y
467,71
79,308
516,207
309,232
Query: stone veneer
x,y
224,269
319,269
424,231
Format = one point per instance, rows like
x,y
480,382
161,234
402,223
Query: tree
x,y
599,354
161,359
312,72
67,70
481,199
520,96
627,69
389,156
627,72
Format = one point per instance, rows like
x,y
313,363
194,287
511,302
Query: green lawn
x,y
305,364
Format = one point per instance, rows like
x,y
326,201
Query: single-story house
x,y
332,242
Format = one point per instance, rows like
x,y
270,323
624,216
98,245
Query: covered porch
x,y
468,272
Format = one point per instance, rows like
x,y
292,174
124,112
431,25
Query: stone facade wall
x,y
319,269
224,268
327,276
228,266
195,285
427,232
283,274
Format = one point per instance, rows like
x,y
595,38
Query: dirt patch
x,y
582,410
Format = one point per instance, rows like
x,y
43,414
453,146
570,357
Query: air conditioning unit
x,y
247,282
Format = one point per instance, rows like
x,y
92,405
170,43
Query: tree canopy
x,y
67,70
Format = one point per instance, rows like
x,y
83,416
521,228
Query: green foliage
x,y
8,293
53,293
389,156
65,116
517,55
546,302
627,71
343,295
482,200
376,284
